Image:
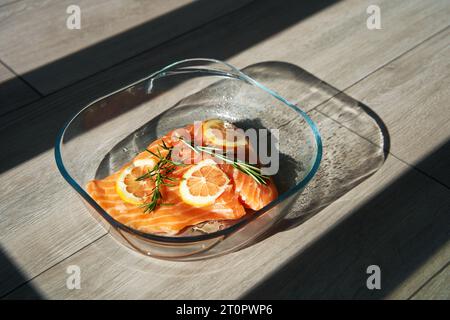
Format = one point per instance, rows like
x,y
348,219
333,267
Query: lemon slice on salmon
x,y
129,189
203,183
222,133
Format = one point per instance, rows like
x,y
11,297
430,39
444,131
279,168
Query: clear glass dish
x,y
113,129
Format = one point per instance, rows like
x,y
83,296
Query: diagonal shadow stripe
x,y
387,231
36,120
111,51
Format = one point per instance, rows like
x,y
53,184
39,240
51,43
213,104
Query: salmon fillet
x,y
241,192
253,195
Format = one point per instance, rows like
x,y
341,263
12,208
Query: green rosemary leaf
x,y
152,153
164,145
244,167
160,175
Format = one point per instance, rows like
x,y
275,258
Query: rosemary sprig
x,y
160,172
242,166
160,175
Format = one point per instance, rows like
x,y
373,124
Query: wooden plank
x,y
13,91
312,52
327,53
388,230
336,46
424,272
244,30
437,289
111,31
411,95
376,223
33,222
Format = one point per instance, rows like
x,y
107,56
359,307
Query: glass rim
x,y
197,238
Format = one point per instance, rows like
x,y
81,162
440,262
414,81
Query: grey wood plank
x,y
411,95
42,222
423,273
296,41
387,230
13,91
437,289
340,31
244,31
324,257
111,31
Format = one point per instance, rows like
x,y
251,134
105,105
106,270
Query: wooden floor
x,y
398,218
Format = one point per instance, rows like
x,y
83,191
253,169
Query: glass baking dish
x,y
110,131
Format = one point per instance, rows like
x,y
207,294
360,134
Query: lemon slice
x,y
222,133
203,183
130,190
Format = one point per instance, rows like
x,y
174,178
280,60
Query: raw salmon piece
x,y
169,220
252,194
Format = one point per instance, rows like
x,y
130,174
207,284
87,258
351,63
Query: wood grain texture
x,y
411,95
239,38
438,288
319,38
13,91
42,222
336,46
111,31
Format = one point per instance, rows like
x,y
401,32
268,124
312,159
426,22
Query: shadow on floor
x,y
399,229
220,39
11,276
124,45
